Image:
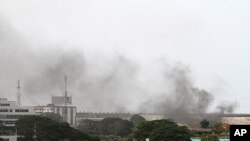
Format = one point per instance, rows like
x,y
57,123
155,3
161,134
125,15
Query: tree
x,y
204,123
162,130
53,116
137,120
115,126
43,128
1,127
219,128
94,138
212,137
89,126
107,126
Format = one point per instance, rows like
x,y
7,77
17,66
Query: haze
x,y
127,56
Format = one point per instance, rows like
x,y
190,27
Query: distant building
x,y
10,112
60,100
236,119
99,116
150,117
67,112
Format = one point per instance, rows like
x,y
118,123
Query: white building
x,y
58,106
10,112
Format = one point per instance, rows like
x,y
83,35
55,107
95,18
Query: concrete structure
x,y
58,106
10,112
150,117
99,116
51,108
239,119
60,100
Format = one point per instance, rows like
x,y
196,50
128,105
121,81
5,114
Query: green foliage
x,y
137,120
218,128
1,128
129,137
107,126
115,126
89,126
162,130
47,129
212,137
53,116
1,123
204,123
94,138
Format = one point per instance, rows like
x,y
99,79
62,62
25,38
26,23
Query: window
x,y
9,122
21,110
3,110
4,104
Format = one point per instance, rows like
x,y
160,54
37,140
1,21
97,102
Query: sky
x,y
211,38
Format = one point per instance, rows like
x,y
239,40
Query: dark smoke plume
x,y
99,84
182,98
226,107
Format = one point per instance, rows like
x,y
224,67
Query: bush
x,y
94,138
162,130
212,137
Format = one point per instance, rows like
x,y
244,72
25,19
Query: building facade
x,y
66,111
10,112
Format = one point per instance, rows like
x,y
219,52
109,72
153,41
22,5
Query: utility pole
x,y
18,93
35,132
65,99
235,103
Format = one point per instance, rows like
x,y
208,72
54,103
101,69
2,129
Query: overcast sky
x,y
211,37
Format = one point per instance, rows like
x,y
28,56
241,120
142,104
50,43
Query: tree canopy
x,y
137,120
116,126
43,128
204,123
107,126
162,130
53,116
220,128
89,126
213,137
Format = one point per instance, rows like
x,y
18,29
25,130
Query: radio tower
x,y
18,93
65,99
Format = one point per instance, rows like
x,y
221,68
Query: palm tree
x,y
204,123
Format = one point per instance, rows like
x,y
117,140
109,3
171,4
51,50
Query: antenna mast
x,y
65,82
235,103
18,93
65,99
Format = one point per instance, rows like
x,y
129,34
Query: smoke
x,y
112,84
98,84
182,98
226,107
15,59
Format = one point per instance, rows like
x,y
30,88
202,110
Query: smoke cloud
x,y
182,98
114,84
226,107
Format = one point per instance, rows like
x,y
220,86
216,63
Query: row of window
x,y
4,104
10,116
21,110
3,110
16,110
9,122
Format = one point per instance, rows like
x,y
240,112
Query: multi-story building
x,y
98,116
10,112
66,111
